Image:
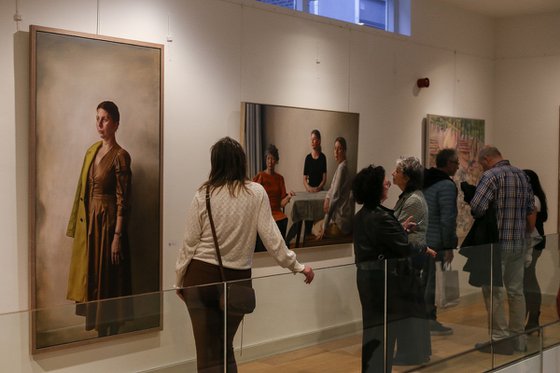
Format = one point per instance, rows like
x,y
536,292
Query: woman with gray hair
x,y
408,176
413,337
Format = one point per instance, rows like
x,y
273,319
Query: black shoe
x,y
504,347
437,329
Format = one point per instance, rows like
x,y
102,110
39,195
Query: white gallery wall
x,y
223,52
527,110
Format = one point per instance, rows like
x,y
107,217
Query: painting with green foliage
x,y
467,137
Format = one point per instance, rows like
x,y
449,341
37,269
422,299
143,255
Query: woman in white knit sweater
x,y
240,209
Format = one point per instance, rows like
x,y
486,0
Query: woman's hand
x,y
308,273
430,252
408,225
326,205
291,194
448,256
116,254
320,234
287,198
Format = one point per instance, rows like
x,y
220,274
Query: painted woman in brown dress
x,y
100,267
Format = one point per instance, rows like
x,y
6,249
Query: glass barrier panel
x,y
319,327
316,328
206,328
517,299
467,316
503,297
120,342
465,362
58,326
14,341
550,335
541,291
446,312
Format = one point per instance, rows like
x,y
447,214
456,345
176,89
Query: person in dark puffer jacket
x,y
440,193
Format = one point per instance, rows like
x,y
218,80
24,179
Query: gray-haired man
x,y
507,188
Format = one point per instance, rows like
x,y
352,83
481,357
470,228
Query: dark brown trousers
x,y
203,304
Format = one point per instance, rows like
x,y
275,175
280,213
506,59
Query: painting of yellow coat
x,y
77,228
81,70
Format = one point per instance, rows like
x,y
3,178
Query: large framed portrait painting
x,y
316,154
95,187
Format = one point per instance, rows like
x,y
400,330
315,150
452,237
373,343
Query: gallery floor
x,y
467,320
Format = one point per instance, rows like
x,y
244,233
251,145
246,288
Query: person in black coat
x,y
531,288
378,236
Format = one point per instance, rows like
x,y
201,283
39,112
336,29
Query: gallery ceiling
x,y
507,8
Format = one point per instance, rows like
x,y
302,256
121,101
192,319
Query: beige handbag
x,y
447,285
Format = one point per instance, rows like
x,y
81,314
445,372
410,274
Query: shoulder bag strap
x,y
214,233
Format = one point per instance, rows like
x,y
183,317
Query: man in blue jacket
x,y
441,196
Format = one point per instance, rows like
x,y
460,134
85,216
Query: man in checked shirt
x,y
507,188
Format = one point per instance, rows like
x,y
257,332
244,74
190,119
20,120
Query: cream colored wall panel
x,y
474,90
527,120
436,23
415,62
14,272
294,61
528,36
75,15
546,268
145,20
